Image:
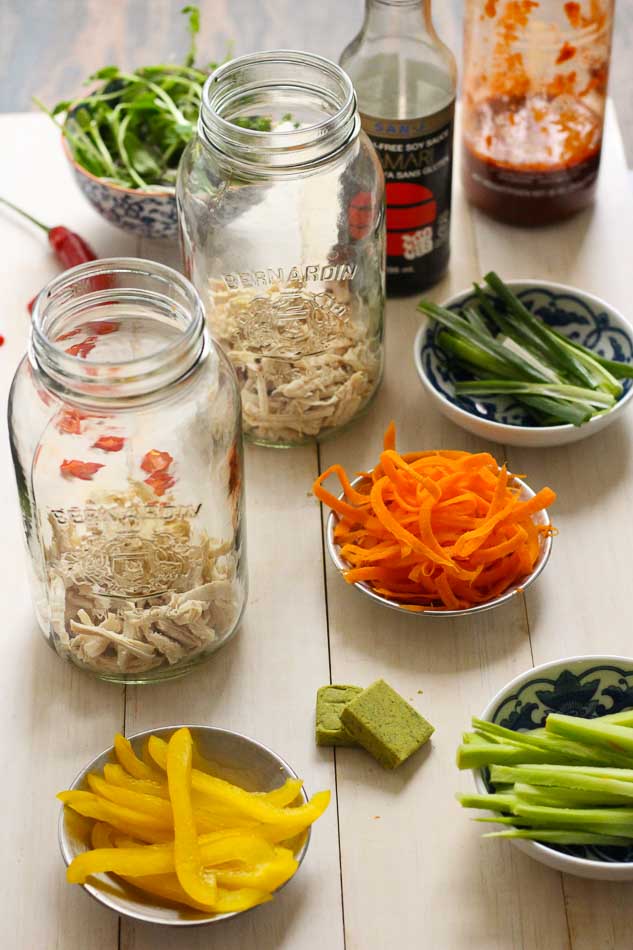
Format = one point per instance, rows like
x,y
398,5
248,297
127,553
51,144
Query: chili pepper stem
x,y
24,214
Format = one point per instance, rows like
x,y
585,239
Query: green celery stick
x,y
593,732
612,820
568,797
579,779
551,836
578,772
493,802
558,749
624,718
476,756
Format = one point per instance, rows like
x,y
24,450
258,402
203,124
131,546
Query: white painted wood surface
x,y
415,873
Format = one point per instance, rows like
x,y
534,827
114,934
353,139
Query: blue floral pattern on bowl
x,y
147,214
567,313
575,690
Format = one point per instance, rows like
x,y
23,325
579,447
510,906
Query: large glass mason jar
x,y
534,97
281,202
125,432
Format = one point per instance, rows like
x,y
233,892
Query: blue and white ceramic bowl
x,y
148,214
578,315
589,686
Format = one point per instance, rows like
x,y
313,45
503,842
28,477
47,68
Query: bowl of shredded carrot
x,y
443,533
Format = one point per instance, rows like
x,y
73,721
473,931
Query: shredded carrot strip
x,y
440,530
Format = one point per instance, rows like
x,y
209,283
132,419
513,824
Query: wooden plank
x,y
407,851
582,603
53,717
261,682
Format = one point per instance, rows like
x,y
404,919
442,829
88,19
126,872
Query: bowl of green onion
x,y
552,759
529,363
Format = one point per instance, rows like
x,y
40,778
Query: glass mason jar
x,y
534,96
281,207
125,432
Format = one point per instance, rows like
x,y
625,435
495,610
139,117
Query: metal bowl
x,y
237,759
541,518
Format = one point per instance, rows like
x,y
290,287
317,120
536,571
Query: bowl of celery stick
x,y
529,363
552,760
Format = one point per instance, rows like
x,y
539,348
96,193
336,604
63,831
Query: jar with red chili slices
x,y
281,209
125,431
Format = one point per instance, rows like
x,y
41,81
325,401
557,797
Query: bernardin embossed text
x,y
267,276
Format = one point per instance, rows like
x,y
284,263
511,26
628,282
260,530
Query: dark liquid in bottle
x,y
531,161
435,265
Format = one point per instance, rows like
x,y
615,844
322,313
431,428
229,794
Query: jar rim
x,y
82,289
279,149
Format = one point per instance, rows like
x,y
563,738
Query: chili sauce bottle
x,y
405,80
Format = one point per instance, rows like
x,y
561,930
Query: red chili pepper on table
x,y
70,249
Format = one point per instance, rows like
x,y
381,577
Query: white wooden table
x,y
394,863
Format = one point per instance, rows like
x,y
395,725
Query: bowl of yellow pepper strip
x,y
185,825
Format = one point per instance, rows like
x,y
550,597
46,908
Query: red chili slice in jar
x,y
159,482
69,421
103,327
83,348
74,468
155,461
109,443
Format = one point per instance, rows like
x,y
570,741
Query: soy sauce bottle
x,y
405,80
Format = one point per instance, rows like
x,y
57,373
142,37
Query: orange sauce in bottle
x,y
531,151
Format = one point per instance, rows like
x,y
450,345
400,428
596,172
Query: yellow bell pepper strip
x,y
212,820
291,827
284,795
135,860
168,887
124,861
223,847
267,876
130,761
247,803
116,775
125,819
189,868
138,801
102,835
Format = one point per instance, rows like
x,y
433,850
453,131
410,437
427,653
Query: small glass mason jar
x,y
125,430
281,209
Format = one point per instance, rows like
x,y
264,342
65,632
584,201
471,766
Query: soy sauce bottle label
x,y
417,158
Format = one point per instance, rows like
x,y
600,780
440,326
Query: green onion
x,y
568,362
574,394
510,352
